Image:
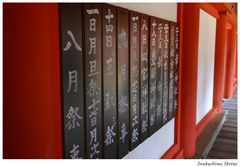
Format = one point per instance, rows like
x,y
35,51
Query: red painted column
x,y
220,62
31,81
189,77
230,63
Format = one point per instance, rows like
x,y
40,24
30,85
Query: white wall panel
x,y
206,54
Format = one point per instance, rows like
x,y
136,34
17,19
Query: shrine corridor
x,y
225,145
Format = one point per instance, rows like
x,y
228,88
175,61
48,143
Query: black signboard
x,y
144,77
152,78
109,81
176,69
172,30
165,71
72,80
119,78
123,81
93,92
159,72
134,79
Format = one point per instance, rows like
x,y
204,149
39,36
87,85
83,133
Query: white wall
x,y
163,10
206,53
163,139
156,145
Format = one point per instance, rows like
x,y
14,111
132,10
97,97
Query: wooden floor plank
x,y
229,129
224,141
225,145
224,148
222,155
227,135
229,124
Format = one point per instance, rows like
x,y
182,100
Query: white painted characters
x,y
72,80
74,153
73,118
68,45
123,133
109,136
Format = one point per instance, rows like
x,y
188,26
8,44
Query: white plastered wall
x,y
156,145
206,54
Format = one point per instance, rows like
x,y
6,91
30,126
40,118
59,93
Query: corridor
x,y
225,145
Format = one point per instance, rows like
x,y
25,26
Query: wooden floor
x,y
225,145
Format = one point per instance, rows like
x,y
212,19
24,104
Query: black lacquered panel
x,y
93,73
152,73
123,81
144,77
176,68
109,81
165,71
72,79
160,49
134,78
171,70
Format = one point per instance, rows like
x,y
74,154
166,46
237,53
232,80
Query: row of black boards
x,y
119,72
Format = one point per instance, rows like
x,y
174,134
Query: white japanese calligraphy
x,y
73,80
123,104
92,11
68,45
93,89
94,149
135,27
144,125
92,24
123,132
92,46
109,136
144,92
109,16
122,39
93,136
93,68
144,25
134,120
153,28
109,28
134,135
144,73
144,38
109,63
109,100
73,118
152,120
108,41
123,71
134,18
74,153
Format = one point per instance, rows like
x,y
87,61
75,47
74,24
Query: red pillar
x,y
31,81
220,61
189,77
230,64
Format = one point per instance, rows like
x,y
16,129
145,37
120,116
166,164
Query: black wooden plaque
x,y
93,91
72,79
172,30
152,77
144,77
134,79
176,69
109,81
123,81
160,50
165,71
